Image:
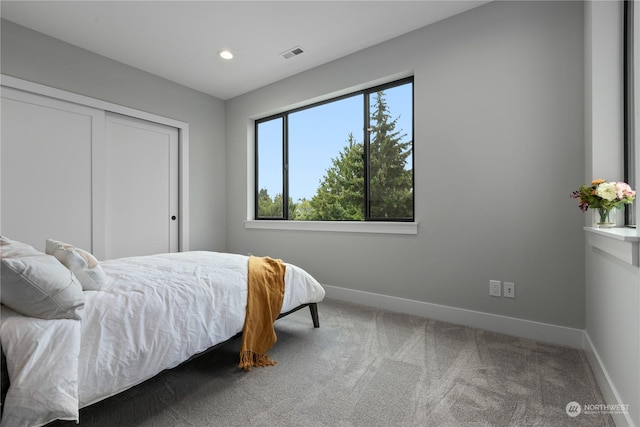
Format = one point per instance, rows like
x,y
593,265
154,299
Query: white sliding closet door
x,y
142,187
48,153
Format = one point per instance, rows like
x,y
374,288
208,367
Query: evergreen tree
x,y
268,208
390,183
272,208
340,195
301,211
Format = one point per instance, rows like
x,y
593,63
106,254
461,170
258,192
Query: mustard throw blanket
x,y
264,302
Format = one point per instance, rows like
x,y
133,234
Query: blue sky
x,y
316,135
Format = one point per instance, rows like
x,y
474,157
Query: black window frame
x,y
365,93
630,145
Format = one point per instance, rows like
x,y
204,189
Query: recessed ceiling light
x,y
225,54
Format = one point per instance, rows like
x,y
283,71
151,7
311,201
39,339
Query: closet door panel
x,y
46,169
142,187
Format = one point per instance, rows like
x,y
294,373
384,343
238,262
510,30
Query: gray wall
x,y
499,146
38,58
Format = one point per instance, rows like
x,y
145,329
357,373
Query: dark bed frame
x,y
4,374
313,308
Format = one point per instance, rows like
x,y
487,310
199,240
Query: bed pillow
x,y
11,248
83,264
39,286
42,358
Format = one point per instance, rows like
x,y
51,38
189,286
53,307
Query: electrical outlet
x,y
494,288
509,289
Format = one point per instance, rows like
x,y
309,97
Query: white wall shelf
x,y
620,242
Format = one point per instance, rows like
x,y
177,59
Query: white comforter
x,y
157,312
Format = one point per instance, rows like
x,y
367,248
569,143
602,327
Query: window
x,y
630,82
346,159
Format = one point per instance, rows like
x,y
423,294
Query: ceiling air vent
x,y
290,53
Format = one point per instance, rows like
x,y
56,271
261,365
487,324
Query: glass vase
x,y
603,218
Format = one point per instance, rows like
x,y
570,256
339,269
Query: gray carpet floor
x,y
366,367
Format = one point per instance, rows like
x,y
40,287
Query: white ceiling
x,y
179,40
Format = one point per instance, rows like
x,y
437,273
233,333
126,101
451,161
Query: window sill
x,y
336,226
622,243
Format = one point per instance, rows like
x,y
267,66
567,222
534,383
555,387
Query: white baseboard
x,y
608,389
507,325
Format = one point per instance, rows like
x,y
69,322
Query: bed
x,y
118,322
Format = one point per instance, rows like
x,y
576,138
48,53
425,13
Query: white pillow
x,y
83,264
11,248
42,360
39,286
